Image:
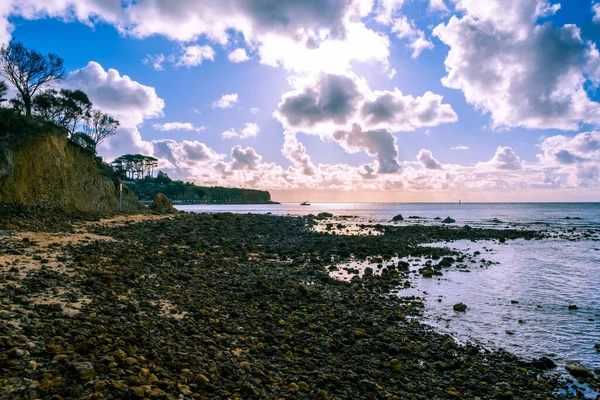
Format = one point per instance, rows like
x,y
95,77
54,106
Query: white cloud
x,y
125,99
244,158
185,154
295,151
330,102
522,73
427,160
156,61
178,126
238,56
504,159
249,130
406,29
437,5
596,11
459,147
255,110
194,55
226,101
378,143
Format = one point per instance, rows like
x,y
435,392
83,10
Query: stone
x,y
461,307
119,355
448,220
573,307
162,204
85,370
597,347
579,371
543,363
398,218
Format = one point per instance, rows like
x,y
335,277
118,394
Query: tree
x,y
3,91
163,178
66,108
99,126
29,71
135,166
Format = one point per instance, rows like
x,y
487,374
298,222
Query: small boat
x,y
305,203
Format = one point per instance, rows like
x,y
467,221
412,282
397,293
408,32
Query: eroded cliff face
x,y
48,172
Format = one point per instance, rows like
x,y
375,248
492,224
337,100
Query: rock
x,y
597,347
460,307
448,220
398,218
85,370
302,288
573,307
119,355
324,215
162,204
579,371
543,363
15,353
201,380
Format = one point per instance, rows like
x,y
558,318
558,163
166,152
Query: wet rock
x,y
448,220
579,371
398,218
573,307
597,347
324,215
543,363
85,370
162,204
461,307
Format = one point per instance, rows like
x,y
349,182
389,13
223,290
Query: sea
x,y
519,298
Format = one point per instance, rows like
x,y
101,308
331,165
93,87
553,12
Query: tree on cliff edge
x,y
29,71
3,91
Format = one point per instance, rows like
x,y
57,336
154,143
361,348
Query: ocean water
x,y
521,301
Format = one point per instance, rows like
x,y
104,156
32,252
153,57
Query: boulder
x,y
448,220
460,307
544,363
162,204
579,371
398,218
324,215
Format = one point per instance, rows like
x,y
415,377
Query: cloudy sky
x,y
341,100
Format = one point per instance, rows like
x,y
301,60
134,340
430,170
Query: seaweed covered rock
x,y
398,218
162,204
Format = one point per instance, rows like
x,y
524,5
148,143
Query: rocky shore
x,y
232,306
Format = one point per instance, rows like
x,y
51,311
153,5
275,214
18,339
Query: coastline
x,y
228,306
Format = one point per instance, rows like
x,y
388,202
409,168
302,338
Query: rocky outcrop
x,y
162,204
47,172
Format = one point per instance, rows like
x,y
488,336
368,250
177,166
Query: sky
x,y
341,100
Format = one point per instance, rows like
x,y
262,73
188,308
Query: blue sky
x,y
358,100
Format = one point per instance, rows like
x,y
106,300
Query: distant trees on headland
x,y
35,78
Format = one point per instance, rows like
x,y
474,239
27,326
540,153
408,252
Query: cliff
x,y
48,172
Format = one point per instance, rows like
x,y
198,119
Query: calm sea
x,y
521,302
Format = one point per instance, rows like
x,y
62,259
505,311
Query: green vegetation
x,y
38,108
187,192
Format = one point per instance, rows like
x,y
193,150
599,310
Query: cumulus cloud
x,y
178,126
193,56
125,99
184,154
244,158
238,56
379,143
226,101
333,102
295,151
255,110
504,159
522,73
249,130
427,160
